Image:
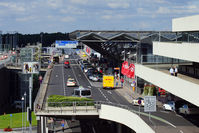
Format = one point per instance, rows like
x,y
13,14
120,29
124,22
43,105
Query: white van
x,y
82,92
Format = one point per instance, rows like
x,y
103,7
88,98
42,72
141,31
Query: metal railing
x,y
38,103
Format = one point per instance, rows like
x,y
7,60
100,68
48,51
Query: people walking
x,y
176,71
122,81
171,71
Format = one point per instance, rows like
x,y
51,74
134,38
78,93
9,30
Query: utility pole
x,y
30,96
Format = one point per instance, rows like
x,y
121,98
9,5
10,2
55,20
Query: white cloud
x,y
83,2
118,5
24,19
163,10
106,17
68,19
55,3
13,6
72,10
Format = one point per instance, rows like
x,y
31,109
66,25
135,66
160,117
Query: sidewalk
x,y
128,93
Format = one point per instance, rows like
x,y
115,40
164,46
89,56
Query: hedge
x,y
60,101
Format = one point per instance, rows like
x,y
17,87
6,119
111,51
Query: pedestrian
x,y
116,83
171,71
122,81
176,71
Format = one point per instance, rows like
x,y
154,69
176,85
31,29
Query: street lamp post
x,y
22,112
25,110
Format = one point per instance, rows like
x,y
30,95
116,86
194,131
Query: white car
x,y
71,82
135,101
169,106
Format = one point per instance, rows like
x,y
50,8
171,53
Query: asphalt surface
x,y
57,85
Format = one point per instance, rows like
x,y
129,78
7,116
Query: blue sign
x,y
10,115
66,44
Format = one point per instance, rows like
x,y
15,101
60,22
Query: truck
x,y
108,81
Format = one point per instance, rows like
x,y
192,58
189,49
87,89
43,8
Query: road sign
x,y
150,104
10,115
66,44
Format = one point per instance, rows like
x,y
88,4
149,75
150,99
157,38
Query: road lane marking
x,y
75,76
181,131
63,80
56,76
103,94
109,92
89,86
164,111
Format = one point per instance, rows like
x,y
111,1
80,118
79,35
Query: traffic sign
x,y
150,104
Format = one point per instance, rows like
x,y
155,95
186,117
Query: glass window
x,y
86,92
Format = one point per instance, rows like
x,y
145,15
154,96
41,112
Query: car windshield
x,y
139,98
70,80
86,92
170,102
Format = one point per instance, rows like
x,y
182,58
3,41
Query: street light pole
x,y
25,110
22,112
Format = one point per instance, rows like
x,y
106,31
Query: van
x,y
82,92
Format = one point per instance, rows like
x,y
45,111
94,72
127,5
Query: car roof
x,y
82,88
71,79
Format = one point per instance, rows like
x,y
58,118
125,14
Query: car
x,y
135,101
82,92
169,106
86,68
188,109
96,77
66,64
66,56
71,82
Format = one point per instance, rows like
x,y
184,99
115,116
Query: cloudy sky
x,y
35,16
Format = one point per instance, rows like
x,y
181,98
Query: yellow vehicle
x,y
108,81
83,54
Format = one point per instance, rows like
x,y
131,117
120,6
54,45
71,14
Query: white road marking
x,y
56,76
164,111
178,115
75,76
63,80
103,95
89,86
109,92
181,131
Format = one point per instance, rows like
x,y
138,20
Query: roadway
x,y
57,86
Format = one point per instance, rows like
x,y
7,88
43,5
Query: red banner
x,y
125,68
131,72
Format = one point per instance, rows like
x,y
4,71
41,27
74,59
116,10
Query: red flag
x,y
131,73
125,68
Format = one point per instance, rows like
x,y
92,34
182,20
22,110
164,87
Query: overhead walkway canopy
x,y
113,43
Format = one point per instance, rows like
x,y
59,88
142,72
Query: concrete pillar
x,y
119,128
38,124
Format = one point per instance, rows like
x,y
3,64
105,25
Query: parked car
x,y
71,82
97,77
188,109
82,92
169,106
87,67
135,101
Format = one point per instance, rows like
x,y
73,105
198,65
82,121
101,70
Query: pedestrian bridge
x,y
103,110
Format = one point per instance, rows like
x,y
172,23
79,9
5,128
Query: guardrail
x,y
38,104
63,108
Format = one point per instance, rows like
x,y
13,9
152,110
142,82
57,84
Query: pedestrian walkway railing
x,y
78,106
39,100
